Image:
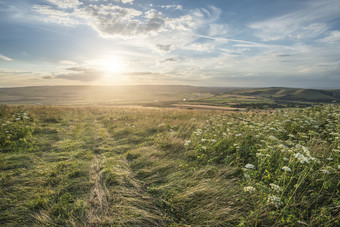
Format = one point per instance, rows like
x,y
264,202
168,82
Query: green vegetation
x,y
136,166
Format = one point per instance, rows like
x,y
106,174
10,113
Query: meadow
x,y
139,166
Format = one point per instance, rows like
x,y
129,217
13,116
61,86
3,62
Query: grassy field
x,y
115,166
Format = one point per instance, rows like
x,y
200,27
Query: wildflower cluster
x,y
291,157
15,129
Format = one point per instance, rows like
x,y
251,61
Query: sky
x,y
225,43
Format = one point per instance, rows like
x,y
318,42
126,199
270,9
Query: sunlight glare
x,y
113,64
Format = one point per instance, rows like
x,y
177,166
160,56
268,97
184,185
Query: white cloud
x,y
55,15
112,20
305,23
177,7
67,62
127,1
65,4
4,58
333,37
217,29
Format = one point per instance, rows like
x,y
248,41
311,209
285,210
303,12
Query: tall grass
x,y
79,166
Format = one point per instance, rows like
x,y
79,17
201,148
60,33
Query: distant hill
x,y
292,94
63,95
160,95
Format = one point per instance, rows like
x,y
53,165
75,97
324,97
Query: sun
x,y
113,64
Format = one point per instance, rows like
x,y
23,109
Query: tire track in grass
x,y
128,203
98,203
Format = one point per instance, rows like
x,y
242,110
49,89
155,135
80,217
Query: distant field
x,y
138,166
169,96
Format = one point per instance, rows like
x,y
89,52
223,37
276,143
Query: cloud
x,y
4,58
282,55
80,74
67,62
333,37
168,60
69,4
154,76
311,21
217,29
127,1
55,15
146,75
5,73
111,20
177,7
164,48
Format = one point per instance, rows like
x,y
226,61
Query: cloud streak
x,y
4,58
80,74
309,22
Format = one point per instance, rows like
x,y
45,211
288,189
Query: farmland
x,y
133,166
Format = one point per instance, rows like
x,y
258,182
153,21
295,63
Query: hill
x,y
292,94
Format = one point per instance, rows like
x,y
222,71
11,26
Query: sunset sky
x,y
244,43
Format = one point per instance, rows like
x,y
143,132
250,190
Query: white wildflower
x,y
249,189
213,140
325,171
275,187
303,223
329,159
250,166
274,200
286,159
203,140
286,169
187,143
204,147
302,159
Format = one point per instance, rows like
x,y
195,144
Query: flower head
x,y
250,166
286,169
274,200
249,189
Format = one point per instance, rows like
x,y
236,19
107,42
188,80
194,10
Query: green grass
x,y
76,166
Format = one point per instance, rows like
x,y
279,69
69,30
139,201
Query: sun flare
x,y
113,64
